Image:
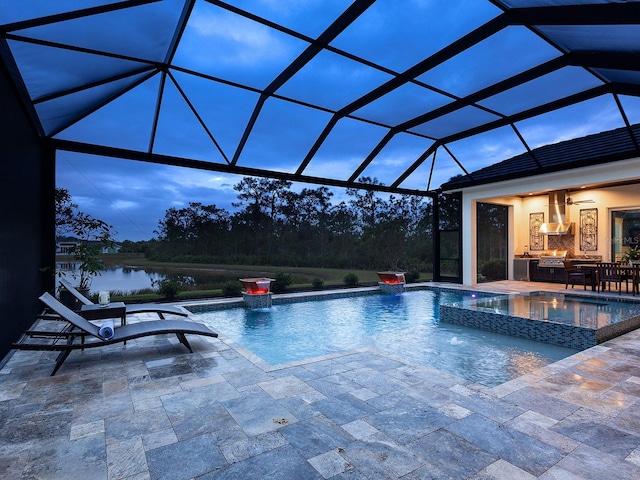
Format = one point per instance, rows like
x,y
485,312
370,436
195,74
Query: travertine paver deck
x,y
151,410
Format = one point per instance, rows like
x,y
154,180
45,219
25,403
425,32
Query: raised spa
x,y
569,320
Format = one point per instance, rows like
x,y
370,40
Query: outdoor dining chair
x,y
575,274
635,274
612,272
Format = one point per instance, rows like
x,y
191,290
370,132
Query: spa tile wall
x,y
570,336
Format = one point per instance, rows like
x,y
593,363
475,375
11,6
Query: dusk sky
x,y
239,57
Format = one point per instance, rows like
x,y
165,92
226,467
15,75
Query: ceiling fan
x,y
570,201
559,199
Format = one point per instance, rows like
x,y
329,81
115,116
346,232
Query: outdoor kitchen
x,y
558,240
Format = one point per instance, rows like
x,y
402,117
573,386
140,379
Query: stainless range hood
x,y
559,223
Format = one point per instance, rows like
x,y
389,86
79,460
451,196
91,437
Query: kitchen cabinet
x,y
545,274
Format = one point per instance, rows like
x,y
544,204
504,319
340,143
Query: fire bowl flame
x,y
391,277
256,286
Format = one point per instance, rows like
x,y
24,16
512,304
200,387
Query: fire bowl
x,y
391,277
256,286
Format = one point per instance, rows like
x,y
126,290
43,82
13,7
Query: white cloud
x,y
248,43
341,169
125,204
397,160
85,203
189,178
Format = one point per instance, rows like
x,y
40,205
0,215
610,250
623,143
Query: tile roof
x,y
604,147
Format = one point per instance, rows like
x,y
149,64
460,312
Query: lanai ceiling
x,y
411,92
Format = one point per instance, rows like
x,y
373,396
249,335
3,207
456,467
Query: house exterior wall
x,y
528,195
604,200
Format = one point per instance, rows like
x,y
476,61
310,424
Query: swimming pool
x,y
405,324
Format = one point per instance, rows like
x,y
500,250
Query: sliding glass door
x,y
492,241
625,232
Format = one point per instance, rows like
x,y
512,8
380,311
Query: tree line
x,y
274,225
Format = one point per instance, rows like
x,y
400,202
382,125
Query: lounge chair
x,y
132,308
77,328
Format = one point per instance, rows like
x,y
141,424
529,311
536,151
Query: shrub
x,y
350,279
494,270
282,281
169,288
232,288
412,276
317,283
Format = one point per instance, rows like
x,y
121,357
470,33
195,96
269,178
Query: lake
x,y
131,279
123,279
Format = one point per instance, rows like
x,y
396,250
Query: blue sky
x,y
218,43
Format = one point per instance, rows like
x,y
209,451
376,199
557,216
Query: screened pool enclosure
x,y
321,92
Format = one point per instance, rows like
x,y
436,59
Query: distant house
x,y
115,248
65,245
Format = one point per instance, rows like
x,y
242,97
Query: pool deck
x,y
149,410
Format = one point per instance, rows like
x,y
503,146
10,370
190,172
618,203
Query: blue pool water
x,y
405,324
582,311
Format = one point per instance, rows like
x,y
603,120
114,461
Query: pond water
x,y
131,279
122,279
